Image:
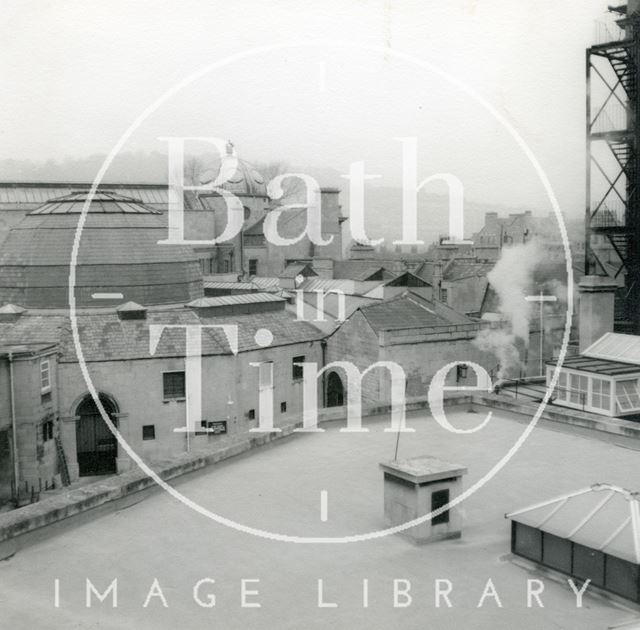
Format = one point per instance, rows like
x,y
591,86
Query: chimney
x,y
596,308
490,219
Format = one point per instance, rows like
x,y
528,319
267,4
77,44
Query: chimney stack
x,y
596,308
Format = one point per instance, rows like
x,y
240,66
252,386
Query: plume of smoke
x,y
511,279
502,344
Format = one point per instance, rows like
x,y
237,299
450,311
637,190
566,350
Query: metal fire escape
x,y
613,204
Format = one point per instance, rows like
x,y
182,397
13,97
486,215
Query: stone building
x,y
126,283
420,335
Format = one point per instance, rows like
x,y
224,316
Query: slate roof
x,y
296,269
348,287
105,337
360,270
408,310
462,269
231,300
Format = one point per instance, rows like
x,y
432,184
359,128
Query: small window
x,y
438,499
253,266
217,427
173,384
45,397
297,370
45,376
47,430
283,407
149,432
251,414
443,295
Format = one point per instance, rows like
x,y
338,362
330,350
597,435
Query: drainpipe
x,y
323,345
14,427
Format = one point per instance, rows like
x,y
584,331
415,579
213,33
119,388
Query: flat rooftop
x,y
278,488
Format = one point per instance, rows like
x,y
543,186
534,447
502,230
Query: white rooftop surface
x,y
615,347
278,488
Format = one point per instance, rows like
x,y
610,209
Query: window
x,y
217,427
251,414
600,393
578,389
283,407
561,387
527,541
47,430
173,384
443,295
149,432
627,395
253,266
297,371
438,499
45,376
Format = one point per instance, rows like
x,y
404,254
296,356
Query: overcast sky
x,y
76,73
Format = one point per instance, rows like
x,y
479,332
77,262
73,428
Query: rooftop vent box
x,y
131,310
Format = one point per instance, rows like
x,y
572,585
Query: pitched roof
x,y
360,270
409,310
231,300
348,287
231,286
615,347
460,269
603,517
295,269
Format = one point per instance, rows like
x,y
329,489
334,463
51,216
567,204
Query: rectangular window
x,y
578,389
600,394
173,385
556,552
47,430
438,499
251,414
253,266
443,295
45,376
627,395
149,432
588,564
283,407
527,541
561,390
297,370
217,427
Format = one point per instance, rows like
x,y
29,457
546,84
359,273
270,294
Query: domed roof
x,y
118,254
239,176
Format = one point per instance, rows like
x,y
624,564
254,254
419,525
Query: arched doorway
x,y
335,390
97,447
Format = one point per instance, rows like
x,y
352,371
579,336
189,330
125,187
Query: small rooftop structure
x,y
418,486
593,533
603,379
